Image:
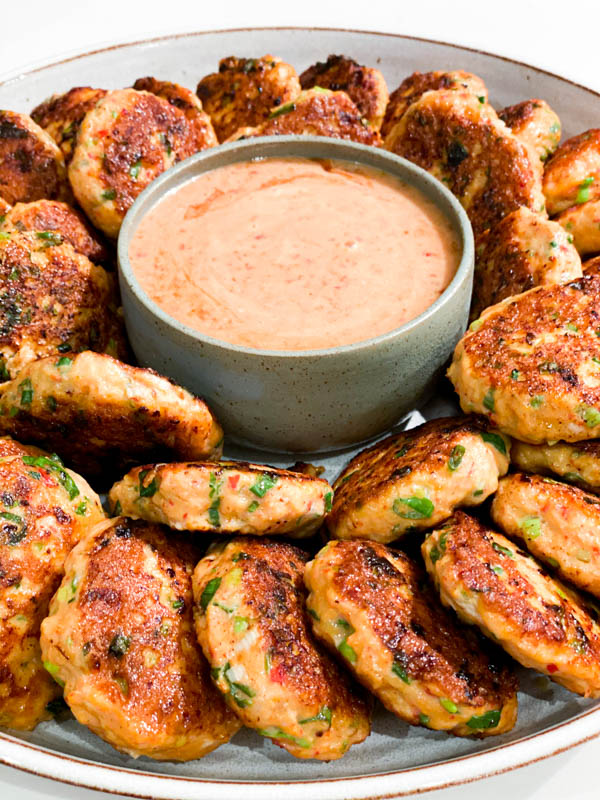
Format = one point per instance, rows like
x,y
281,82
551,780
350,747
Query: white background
x,y
558,36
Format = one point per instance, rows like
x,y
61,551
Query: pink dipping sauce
x,y
294,254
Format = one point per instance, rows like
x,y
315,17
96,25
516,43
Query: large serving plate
x,y
396,759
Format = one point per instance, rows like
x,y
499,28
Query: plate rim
x,y
586,724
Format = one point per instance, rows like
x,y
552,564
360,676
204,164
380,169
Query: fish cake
x,y
540,622
366,86
31,165
532,363
536,125
415,479
558,523
103,415
415,85
44,511
227,497
316,112
375,608
572,175
463,143
185,100
61,115
54,300
125,141
4,209
521,251
120,638
577,463
253,628
582,223
245,90
53,215
591,266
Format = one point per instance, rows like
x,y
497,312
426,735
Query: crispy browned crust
x,y
4,208
54,300
424,638
317,112
364,85
185,100
536,123
61,114
418,83
572,175
463,143
244,90
592,266
31,166
53,215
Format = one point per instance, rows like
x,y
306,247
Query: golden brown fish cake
x,y
521,251
227,497
185,100
31,165
44,511
120,638
418,83
9,447
535,124
572,175
463,143
253,628
491,583
53,301
532,363
375,607
558,523
316,112
123,143
591,266
415,479
245,90
365,86
577,463
53,215
582,223
103,415
61,115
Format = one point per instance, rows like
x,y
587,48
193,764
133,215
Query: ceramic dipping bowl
x,y
311,400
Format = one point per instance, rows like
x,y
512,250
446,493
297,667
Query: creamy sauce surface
x,y
294,254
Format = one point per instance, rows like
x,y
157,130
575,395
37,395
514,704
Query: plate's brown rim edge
x,y
62,756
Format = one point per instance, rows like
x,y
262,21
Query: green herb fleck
x,y
488,400
495,440
119,645
589,414
324,715
400,671
456,456
484,721
531,527
209,592
134,169
503,550
328,502
413,507
26,392
263,484
285,109
55,465
515,375
151,488
451,707
583,192
108,194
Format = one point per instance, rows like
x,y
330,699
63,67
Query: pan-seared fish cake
x,y
54,301
577,463
418,83
535,124
572,175
582,223
415,479
53,215
366,86
490,583
375,607
463,143
44,511
31,165
120,638
591,266
245,90
253,628
103,415
185,100
316,112
226,497
532,363
521,251
123,143
61,115
558,523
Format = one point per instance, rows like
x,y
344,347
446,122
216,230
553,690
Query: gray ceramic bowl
x,y
311,400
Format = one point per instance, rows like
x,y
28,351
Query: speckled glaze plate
x,y
396,759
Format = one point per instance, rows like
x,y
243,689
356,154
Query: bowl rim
x,y
167,182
